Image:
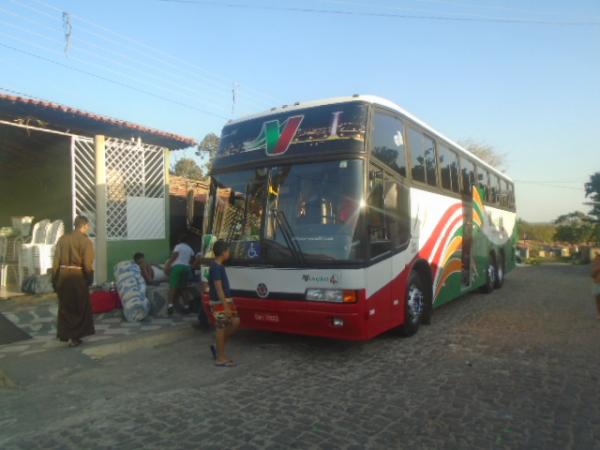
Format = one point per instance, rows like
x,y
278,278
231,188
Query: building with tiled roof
x,y
57,161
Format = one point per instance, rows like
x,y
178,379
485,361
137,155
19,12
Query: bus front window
x,y
319,205
290,214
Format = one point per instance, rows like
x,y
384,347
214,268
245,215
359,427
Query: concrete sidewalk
x,y
37,317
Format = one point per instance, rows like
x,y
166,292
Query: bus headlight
x,y
331,295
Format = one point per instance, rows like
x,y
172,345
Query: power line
x,y
484,6
213,78
552,181
550,185
162,79
100,66
110,80
344,12
178,81
216,95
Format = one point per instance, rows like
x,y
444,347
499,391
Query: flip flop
x,y
225,364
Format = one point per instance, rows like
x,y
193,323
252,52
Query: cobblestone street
x,y
519,368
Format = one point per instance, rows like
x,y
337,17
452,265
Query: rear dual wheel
x,y
499,281
417,305
494,274
490,277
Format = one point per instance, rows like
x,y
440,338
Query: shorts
x,y
179,276
218,312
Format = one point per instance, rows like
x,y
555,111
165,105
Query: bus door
x,y
468,183
467,242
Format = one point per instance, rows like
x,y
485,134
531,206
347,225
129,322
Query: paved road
x,y
519,368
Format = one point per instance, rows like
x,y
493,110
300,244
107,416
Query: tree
x,y
542,232
485,152
574,228
188,168
208,149
592,190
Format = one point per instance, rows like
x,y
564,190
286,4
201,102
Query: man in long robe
x,y
73,273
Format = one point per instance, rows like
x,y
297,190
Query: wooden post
x,y
167,169
101,237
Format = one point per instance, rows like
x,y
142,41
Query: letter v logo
x,y
275,138
279,138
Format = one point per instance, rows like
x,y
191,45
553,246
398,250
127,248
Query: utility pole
x,y
234,90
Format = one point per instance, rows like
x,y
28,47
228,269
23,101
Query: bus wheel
x,y
490,276
499,280
414,305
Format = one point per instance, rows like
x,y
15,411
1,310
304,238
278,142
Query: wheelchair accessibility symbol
x,y
253,251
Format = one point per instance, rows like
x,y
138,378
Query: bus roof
x,y
372,99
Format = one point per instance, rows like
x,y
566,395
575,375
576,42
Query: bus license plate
x,y
266,317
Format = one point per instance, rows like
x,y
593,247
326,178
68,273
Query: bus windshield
x,y
290,214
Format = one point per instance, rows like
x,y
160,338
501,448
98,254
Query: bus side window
x,y
388,142
375,203
423,158
482,181
430,161
448,169
377,229
468,176
388,213
417,155
494,188
503,194
511,196
396,204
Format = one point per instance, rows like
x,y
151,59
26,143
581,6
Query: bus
x,y
348,217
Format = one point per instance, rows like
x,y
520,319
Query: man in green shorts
x,y
179,268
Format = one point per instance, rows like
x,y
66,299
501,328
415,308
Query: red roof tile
x,y
79,121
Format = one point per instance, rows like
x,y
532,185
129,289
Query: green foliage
x,y
574,228
595,235
592,190
543,232
188,168
207,149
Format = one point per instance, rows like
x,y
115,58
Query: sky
x,y
522,76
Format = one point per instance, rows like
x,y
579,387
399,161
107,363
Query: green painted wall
x,y
156,251
41,188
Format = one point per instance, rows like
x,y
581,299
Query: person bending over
x,y
179,268
145,268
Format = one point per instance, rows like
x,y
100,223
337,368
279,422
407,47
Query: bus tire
x,y
427,301
490,275
500,272
413,305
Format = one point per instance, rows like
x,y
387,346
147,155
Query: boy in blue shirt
x,y
222,307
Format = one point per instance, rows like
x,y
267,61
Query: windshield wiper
x,y
288,235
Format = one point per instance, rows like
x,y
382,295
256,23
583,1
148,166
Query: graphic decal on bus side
x,y
443,249
275,138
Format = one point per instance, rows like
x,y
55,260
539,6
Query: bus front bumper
x,y
331,320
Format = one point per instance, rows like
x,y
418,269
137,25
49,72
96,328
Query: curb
x,y
149,340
